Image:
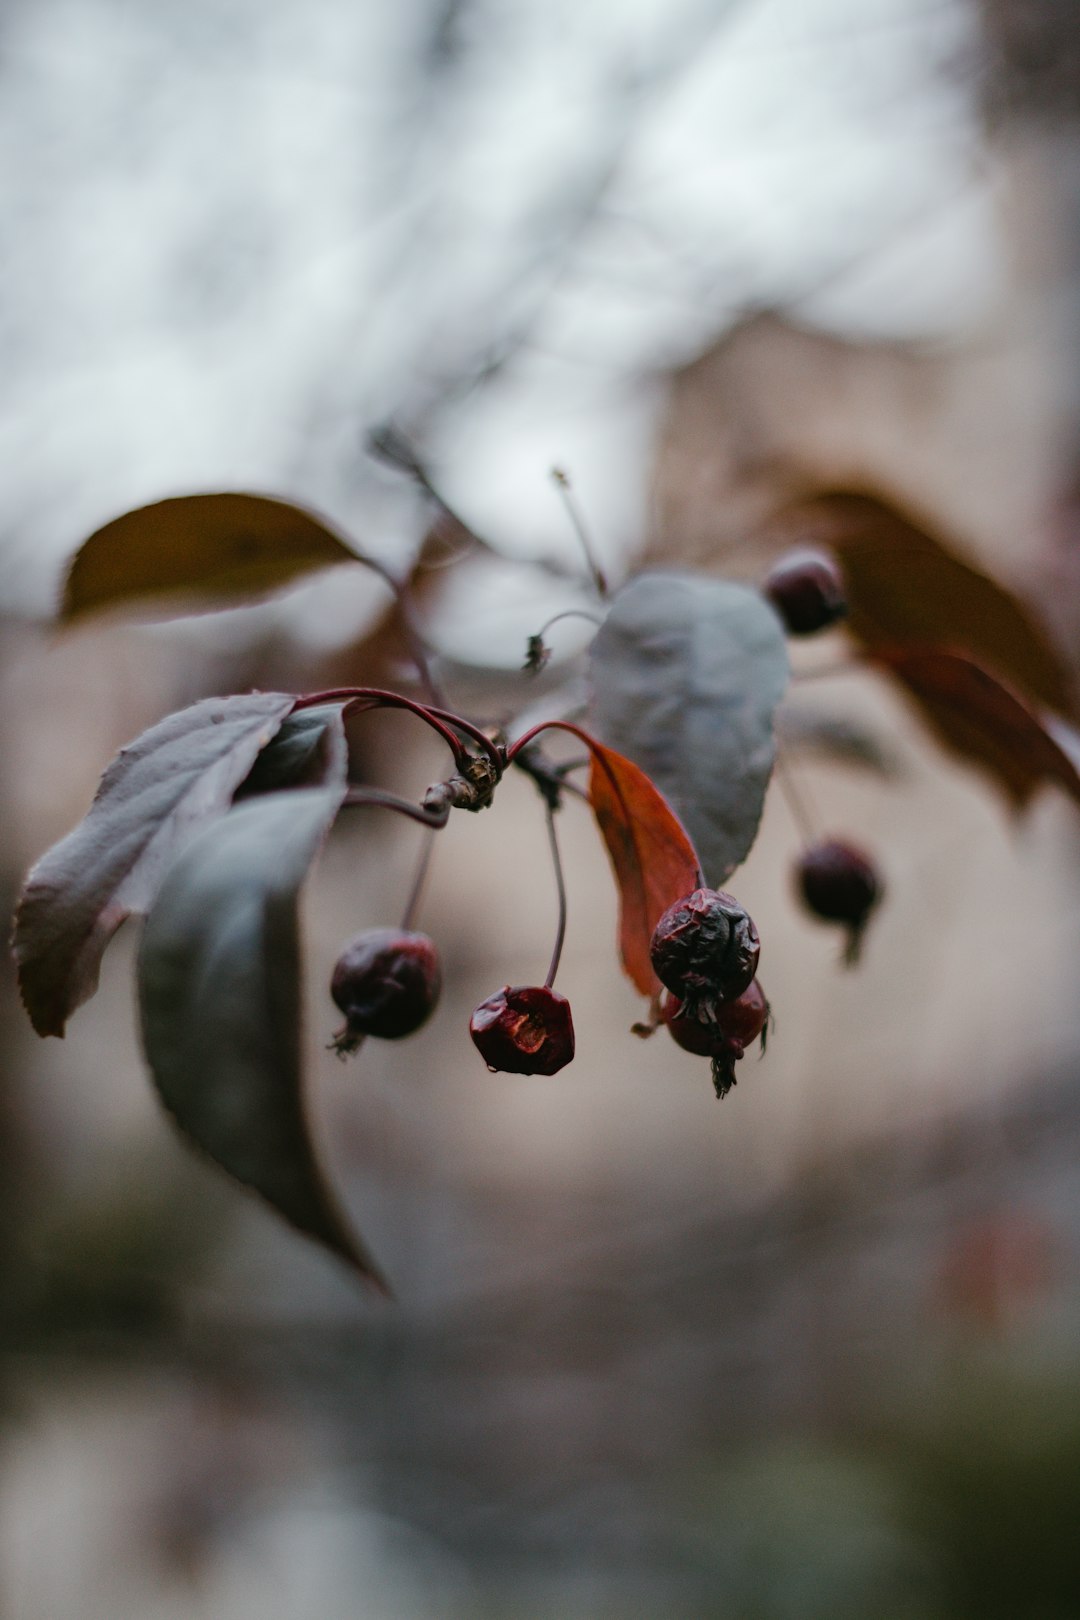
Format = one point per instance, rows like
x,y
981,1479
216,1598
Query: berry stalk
x,y
560,885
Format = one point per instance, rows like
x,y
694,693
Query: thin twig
x,y
561,480
380,799
392,447
560,884
569,613
796,801
422,866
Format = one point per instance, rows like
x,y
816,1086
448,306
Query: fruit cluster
x,y
704,950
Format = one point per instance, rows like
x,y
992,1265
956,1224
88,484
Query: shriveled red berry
x,y
524,1029
386,981
720,1030
705,947
806,588
840,883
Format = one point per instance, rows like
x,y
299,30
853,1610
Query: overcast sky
x,y
237,233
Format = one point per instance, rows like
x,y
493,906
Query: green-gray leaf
x,y
685,676
308,751
155,794
219,996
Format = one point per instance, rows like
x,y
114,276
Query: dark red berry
x,y
720,1030
386,981
840,883
806,588
732,1023
705,948
524,1029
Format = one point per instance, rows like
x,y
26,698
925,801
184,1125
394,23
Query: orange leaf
x,y
199,551
983,721
653,859
906,588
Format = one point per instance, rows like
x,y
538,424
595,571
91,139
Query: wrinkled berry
x,y
806,588
705,948
524,1029
839,883
386,981
721,1030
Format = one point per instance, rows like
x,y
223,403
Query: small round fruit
x,y
524,1029
705,946
386,981
733,1023
806,588
840,883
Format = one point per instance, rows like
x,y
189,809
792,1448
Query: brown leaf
x,y
654,862
155,794
197,551
975,716
907,588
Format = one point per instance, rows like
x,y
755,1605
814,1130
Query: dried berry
x,y
806,588
839,883
386,981
720,1030
524,1029
705,948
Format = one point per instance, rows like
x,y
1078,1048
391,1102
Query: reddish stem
x,y
390,801
371,697
491,749
412,905
560,885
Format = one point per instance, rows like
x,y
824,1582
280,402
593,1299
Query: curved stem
x,y
597,753
560,885
413,903
567,613
357,698
360,796
491,749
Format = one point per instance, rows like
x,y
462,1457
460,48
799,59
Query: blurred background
x,y
813,1352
